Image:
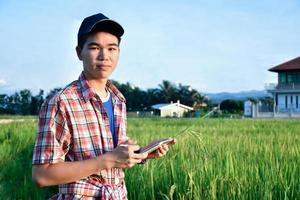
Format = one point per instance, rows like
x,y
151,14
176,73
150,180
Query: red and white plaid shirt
x,y
73,126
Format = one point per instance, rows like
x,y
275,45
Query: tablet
x,y
154,145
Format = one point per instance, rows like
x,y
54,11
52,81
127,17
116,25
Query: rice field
x,y
213,159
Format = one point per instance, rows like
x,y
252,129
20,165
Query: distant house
x,y
171,109
287,91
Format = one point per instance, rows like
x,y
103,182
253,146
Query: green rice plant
x,y
16,146
221,159
213,159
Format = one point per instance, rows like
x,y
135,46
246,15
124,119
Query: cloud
x,y
3,82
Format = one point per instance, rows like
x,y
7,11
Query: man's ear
x,y
78,51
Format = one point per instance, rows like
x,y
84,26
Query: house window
x,y
291,77
282,77
286,101
298,77
297,101
292,100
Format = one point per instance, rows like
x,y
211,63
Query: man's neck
x,y
98,86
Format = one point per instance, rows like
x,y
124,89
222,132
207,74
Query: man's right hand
x,y
123,155
65,172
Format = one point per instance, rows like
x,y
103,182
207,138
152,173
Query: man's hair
x,y
83,38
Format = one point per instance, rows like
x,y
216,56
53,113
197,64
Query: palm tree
x,y
168,91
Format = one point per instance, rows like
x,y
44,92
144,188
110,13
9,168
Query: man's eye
x,y
112,49
94,48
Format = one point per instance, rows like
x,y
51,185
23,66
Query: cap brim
x,y
110,26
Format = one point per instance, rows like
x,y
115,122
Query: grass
x,y
213,159
220,159
16,145
18,117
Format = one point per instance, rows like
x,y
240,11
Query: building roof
x,y
160,105
167,105
177,104
293,64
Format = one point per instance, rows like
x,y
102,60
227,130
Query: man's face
x,y
99,55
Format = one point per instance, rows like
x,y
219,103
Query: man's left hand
x,y
161,151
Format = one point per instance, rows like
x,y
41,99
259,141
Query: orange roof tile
x,y
293,64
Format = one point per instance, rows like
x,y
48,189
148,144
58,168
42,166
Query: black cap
x,y
99,22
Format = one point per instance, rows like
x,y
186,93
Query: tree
x,y
53,92
22,102
3,104
168,91
36,103
14,103
135,97
153,97
267,101
232,106
25,101
266,104
185,93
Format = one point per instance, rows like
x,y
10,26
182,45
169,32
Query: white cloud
x,y
3,82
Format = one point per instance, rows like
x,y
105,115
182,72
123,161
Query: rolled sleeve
x,y
53,135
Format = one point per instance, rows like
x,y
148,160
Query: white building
x,y
172,109
286,92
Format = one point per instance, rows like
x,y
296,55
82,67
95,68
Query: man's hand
x,y
123,155
161,151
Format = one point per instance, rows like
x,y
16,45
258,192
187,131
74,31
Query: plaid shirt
x,y
73,126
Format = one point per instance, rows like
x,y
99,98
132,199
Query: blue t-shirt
x,y
108,105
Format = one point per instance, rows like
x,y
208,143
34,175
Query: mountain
x,y
244,95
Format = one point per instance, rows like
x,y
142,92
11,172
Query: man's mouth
x,y
102,66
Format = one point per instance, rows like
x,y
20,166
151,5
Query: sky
x,y
213,46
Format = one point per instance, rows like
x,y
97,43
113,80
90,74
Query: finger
x,y
133,150
165,147
128,163
160,154
140,155
123,145
131,142
133,147
121,164
124,139
138,161
133,161
152,155
162,151
174,141
157,153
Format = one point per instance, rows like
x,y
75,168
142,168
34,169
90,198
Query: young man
x,y
81,142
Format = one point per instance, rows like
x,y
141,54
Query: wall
x,y
282,107
173,111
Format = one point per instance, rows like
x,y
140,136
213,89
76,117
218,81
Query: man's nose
x,y
103,54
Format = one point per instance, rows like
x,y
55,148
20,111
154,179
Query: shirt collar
x,y
88,93
114,91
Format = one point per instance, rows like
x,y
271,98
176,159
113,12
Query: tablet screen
x,y
154,145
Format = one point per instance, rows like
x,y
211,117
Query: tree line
x,y
137,99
